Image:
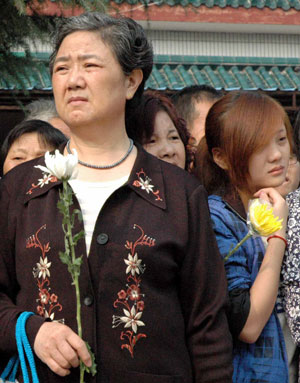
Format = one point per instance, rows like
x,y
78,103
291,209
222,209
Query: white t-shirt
x,y
91,197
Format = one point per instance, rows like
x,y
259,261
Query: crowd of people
x,y
164,184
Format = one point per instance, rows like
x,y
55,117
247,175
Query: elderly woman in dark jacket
x,y
152,283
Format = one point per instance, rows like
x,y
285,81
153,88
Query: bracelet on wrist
x,y
277,236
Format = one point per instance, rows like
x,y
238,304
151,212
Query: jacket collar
x,y
39,183
233,202
146,179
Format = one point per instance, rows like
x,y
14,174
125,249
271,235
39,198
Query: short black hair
x,y
48,135
200,92
185,99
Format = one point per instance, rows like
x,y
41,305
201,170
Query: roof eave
x,y
193,26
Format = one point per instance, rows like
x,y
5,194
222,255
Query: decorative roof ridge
x,y
196,60
259,4
225,60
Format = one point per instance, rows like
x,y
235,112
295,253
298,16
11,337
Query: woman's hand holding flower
x,y
278,205
61,350
267,215
267,212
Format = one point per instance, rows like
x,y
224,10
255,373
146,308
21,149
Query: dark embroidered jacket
x,y
153,287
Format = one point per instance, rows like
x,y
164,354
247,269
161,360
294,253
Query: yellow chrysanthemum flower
x,y
262,219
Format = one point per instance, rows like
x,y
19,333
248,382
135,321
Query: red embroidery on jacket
x,y
145,184
131,298
47,301
42,181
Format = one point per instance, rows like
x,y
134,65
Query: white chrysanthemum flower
x,y
60,166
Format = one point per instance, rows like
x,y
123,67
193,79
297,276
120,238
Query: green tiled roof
x,y
228,73
260,4
176,72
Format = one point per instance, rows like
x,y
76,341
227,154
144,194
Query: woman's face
x,y
268,166
25,148
165,142
89,85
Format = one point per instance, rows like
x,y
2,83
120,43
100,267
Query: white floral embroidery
x,y
132,299
49,316
42,182
45,180
47,302
144,182
132,319
145,185
43,268
134,265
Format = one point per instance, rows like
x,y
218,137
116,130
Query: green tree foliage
x,y
21,27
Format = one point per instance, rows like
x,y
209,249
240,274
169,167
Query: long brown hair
x,y
240,123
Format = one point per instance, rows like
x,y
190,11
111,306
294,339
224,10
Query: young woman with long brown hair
x,y
244,155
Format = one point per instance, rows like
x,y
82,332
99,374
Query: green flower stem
x,y
237,246
75,276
